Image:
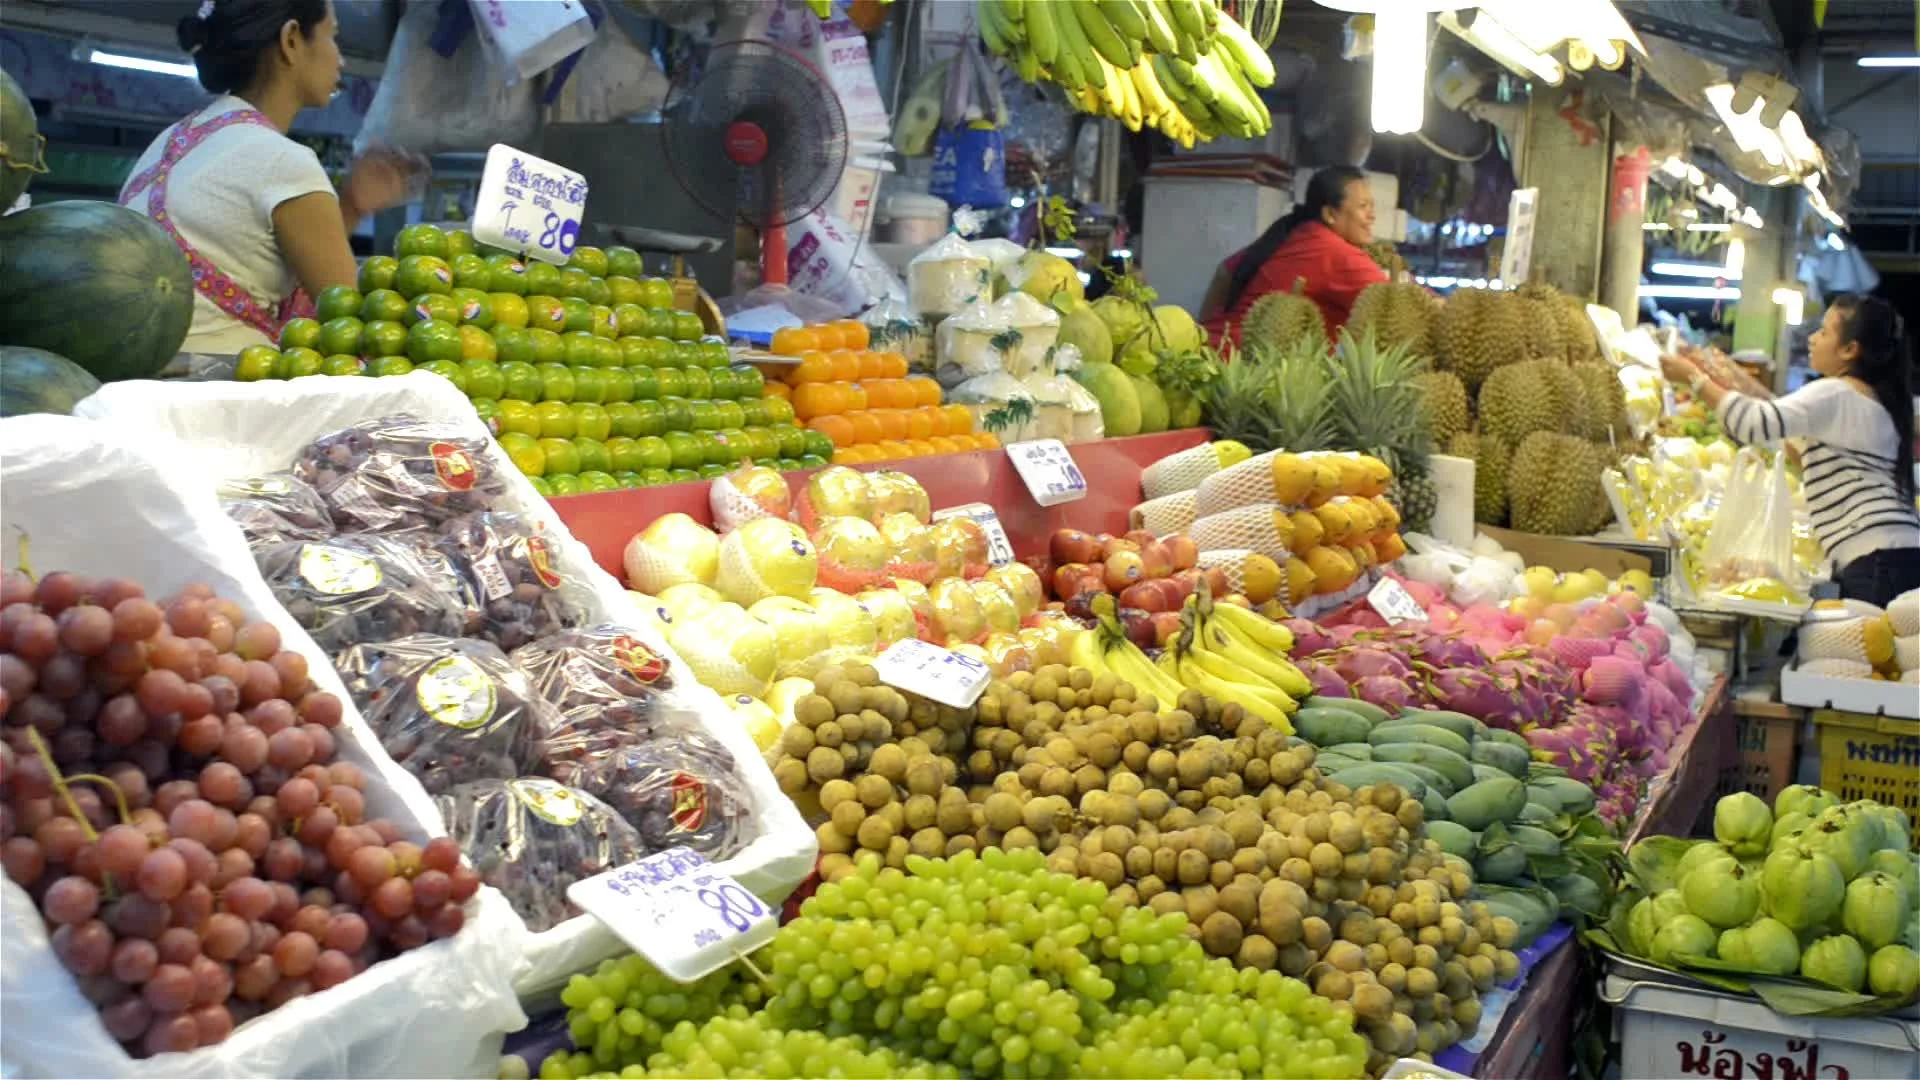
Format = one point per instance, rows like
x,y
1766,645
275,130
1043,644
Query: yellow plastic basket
x,y
1871,757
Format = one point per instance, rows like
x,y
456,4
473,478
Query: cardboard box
x,y
1567,554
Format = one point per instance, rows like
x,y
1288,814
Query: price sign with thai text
x,y
1048,469
932,672
678,911
1394,603
999,548
529,205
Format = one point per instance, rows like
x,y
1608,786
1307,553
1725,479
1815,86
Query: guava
x,y
1836,960
1874,909
1648,915
1893,970
1742,822
1786,827
1123,318
1767,946
1804,799
1683,935
1803,888
1889,824
1178,331
1722,893
1902,868
1842,835
1703,853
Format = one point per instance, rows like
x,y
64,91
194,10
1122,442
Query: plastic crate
x,y
1871,757
1767,738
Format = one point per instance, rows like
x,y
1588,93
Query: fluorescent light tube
x,y
141,63
1889,61
1693,270
1690,292
1399,71
1793,303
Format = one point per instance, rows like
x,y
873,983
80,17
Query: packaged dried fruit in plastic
x,y
531,838
678,787
511,571
400,472
276,506
450,710
364,587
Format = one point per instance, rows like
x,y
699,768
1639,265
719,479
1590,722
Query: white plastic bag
x,y
224,430
428,103
614,79
1752,535
97,499
948,276
523,39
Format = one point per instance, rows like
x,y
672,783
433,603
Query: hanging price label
x,y
933,672
1048,470
529,205
1394,603
679,912
999,548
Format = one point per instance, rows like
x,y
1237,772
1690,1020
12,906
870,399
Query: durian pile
x,y
1520,387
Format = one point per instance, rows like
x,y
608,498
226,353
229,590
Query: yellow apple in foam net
x,y
1044,643
896,493
1006,654
767,557
891,613
837,491
957,544
916,596
996,607
674,549
799,638
761,722
729,650
956,611
682,602
910,541
782,695
1022,583
850,626
852,544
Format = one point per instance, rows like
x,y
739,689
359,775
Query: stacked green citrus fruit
x,y
586,374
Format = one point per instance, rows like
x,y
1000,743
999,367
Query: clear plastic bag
x,y
510,570
974,341
1035,327
428,103
599,680
948,276
365,587
400,472
450,710
893,326
273,507
531,838
1000,403
679,788
1752,535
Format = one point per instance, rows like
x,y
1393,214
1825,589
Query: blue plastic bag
x,y
970,167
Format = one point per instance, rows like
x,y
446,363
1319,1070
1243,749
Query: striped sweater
x,y
1848,461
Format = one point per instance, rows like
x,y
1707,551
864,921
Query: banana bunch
x,y
1182,66
1231,654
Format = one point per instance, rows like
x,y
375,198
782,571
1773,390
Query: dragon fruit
x,y
1326,681
1389,693
1654,638
1357,662
1473,692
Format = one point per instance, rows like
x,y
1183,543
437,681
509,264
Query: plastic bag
x,y
1000,403
614,79
510,570
450,710
893,326
364,587
400,472
531,838
947,277
523,40
276,506
1035,328
429,103
975,341
680,791
970,165
1752,535
599,680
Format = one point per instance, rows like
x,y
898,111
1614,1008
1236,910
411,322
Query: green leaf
x,y
1654,859
1061,301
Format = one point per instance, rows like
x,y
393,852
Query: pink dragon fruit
x,y
1308,637
1386,691
1654,638
1475,693
1612,680
1356,662
1674,680
1575,653
1326,681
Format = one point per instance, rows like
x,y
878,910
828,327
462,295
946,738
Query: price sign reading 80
x,y
529,205
678,911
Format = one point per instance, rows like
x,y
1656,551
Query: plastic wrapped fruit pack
x,y
511,572
400,472
450,711
599,680
274,507
531,838
363,587
678,791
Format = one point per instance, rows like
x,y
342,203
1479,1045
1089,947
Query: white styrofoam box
x,y
223,430
1868,696
97,500
1667,1030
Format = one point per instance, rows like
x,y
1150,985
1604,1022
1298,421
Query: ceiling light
x,y
1736,260
1706,271
1793,303
1399,71
1890,61
142,63
1690,292
1490,37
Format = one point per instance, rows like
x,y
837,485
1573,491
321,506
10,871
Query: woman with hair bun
x,y
256,215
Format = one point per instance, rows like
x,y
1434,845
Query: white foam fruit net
x,y
1179,471
1251,481
1165,515
1261,527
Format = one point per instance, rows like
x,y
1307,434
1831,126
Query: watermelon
x,y
32,381
20,142
96,283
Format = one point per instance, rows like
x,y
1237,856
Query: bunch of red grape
x,y
170,799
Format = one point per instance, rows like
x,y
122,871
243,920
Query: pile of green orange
x,y
587,375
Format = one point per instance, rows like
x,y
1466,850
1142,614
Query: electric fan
x,y
756,134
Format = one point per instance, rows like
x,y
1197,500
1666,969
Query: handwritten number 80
x,y
737,907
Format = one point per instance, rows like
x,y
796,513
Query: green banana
x,y
1043,33
1199,87
1251,57
1170,83
1100,34
1028,65
1247,92
1209,15
1126,18
1074,48
1011,12
992,33
1186,15
1211,76
1161,32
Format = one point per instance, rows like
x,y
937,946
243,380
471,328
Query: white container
x,y
1667,1030
852,199
224,429
912,217
1867,696
101,500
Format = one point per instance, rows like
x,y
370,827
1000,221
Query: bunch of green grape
x,y
623,1011
1234,1019
739,1042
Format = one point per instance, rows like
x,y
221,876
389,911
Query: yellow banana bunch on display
x,y
1182,66
1126,661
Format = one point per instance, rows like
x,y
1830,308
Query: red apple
x,y
1138,625
1145,595
1042,565
1066,579
1216,581
1073,546
1123,568
1185,552
1080,604
1186,581
1166,627
1157,559
1141,537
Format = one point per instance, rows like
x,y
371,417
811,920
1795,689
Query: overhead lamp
x,y
1698,226
1067,252
142,63
1499,43
1399,71
1704,271
1691,292
1889,61
1793,304
1835,243
1736,267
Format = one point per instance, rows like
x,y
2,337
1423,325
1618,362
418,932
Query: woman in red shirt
x,y
1321,241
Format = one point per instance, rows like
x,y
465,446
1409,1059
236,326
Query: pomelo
x,y
800,638
766,557
673,549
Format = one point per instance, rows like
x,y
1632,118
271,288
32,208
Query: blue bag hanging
x,y
970,166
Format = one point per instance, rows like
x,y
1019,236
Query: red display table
x,y
605,521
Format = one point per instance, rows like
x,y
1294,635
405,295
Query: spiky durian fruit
x,y
1443,399
1554,487
1489,456
1387,257
1606,402
1540,313
1415,497
1520,399
1282,318
1576,330
1397,313
1477,332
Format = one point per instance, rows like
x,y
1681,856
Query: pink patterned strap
x,y
208,279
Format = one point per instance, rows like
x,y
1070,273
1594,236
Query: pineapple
x,y
1414,496
1272,397
1378,405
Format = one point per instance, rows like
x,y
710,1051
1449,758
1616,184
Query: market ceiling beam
x,y
1691,35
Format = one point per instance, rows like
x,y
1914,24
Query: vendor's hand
x,y
379,179
1678,369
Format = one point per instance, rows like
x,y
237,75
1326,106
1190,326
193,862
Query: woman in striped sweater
x,y
1855,430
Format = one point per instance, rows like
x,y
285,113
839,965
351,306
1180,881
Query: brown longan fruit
x,y
836,866
1166,864
873,791
1346,956
922,811
824,764
1162,903
1107,868
862,675
875,833
835,792
889,761
1193,867
928,843
834,840
1220,934
1422,982
1333,984
1315,934
1057,780
1002,811
812,710
1019,837
846,816
791,774
797,741
924,776
1372,1002
1242,901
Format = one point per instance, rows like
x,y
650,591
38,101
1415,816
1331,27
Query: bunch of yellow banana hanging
x,y
1182,66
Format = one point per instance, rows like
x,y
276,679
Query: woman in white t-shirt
x,y
253,210
1855,426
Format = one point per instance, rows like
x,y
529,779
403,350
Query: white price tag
x,y
1048,470
1394,603
679,912
933,672
529,205
1516,257
999,548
